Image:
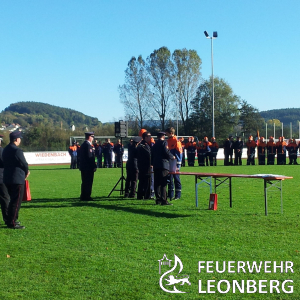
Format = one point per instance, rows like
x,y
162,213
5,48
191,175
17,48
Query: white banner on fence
x,y
48,157
63,157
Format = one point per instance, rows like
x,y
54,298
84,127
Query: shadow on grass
x,y
160,214
77,203
51,169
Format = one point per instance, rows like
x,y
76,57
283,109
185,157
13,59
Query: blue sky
x,y
74,53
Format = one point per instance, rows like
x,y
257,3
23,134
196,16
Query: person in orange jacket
x,y
271,150
176,149
73,153
281,151
191,151
292,149
251,145
261,150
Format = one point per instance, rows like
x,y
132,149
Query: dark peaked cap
x,y
87,134
15,134
137,139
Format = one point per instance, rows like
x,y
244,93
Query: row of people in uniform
x,y
104,150
148,164
207,151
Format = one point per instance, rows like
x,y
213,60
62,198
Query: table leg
x,y
230,192
266,197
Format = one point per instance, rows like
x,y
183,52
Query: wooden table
x,y
270,180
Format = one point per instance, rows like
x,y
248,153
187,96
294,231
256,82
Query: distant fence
x,y
63,157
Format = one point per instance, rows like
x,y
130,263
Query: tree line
x,y
168,86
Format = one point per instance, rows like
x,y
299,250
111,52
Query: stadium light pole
x,y
215,35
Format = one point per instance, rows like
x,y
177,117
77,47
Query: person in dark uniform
x,y
98,153
132,168
87,166
4,196
78,155
271,151
14,175
238,151
261,151
251,145
119,151
107,153
191,147
144,166
201,153
281,151
228,151
73,153
214,147
160,161
292,148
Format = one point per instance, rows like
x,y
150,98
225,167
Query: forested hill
x,y
284,115
28,113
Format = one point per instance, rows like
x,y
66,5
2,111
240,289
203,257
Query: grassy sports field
x,y
109,248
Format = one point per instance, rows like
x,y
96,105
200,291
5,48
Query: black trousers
x,y
271,159
119,160
213,158
160,184
261,159
130,183
144,188
238,158
4,201
73,162
191,158
251,159
87,178
15,192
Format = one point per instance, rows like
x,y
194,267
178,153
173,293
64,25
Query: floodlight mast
x,y
215,35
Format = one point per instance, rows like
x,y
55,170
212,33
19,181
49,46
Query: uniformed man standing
x,y
144,166
251,145
191,148
261,150
281,151
107,152
271,151
119,151
228,151
87,166
14,175
160,161
292,148
132,168
214,152
238,151
4,196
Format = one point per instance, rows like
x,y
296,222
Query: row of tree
x,y
167,87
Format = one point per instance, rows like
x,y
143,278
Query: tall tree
x,y
226,109
250,119
159,67
134,93
186,76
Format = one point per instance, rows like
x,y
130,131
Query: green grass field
x,y
109,248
